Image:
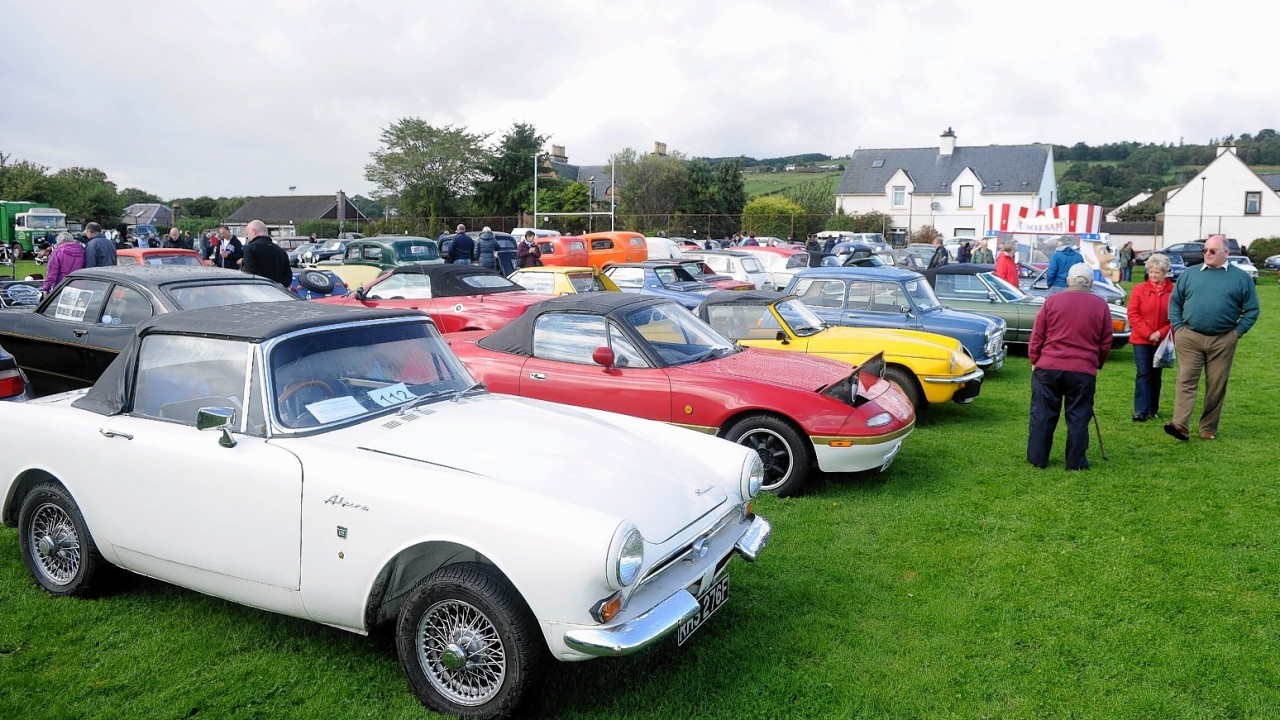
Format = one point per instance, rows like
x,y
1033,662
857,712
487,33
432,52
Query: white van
x,y
661,248
537,232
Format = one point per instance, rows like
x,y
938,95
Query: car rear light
x,y
11,383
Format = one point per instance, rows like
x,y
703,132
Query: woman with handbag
x,y
1149,321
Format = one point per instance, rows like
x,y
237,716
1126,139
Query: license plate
x,y
710,601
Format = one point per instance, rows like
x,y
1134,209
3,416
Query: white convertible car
x,y
339,464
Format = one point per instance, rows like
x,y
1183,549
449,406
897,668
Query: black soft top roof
x,y
450,280
517,336
957,269
164,274
251,322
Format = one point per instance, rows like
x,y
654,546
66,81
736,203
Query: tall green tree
x,y
649,184
427,168
729,195
85,194
509,187
699,190
818,200
772,216
23,180
134,196
203,206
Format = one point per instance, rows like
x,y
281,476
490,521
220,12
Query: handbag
x,y
1165,355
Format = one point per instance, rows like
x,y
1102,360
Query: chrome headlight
x,y
626,556
752,476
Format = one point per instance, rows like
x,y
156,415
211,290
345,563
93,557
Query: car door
x,y
825,296
889,306
189,509
53,343
562,369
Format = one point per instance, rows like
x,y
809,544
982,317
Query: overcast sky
x,y
249,98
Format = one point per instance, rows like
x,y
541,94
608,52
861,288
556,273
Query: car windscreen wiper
x,y
473,386
422,400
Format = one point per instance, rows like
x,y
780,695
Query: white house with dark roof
x,y
949,186
1226,197
597,178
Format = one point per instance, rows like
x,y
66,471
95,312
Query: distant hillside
x,y
776,164
773,183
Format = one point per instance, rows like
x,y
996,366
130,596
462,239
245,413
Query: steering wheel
x,y
293,400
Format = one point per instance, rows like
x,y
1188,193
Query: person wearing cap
x,y
1064,258
1211,307
1070,342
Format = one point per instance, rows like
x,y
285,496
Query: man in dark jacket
x,y
98,250
463,248
264,258
940,254
1064,258
229,251
527,252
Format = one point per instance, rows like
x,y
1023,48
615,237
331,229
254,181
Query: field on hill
x,y
961,583
757,184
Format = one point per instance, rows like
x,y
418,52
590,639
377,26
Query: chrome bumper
x,y
664,618
975,375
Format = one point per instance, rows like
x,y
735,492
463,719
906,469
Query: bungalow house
x,y
281,213
147,214
948,187
1225,197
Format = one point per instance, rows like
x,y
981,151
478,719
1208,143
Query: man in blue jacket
x,y
463,248
1061,262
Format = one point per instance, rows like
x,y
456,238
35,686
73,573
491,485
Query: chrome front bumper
x,y
664,618
975,375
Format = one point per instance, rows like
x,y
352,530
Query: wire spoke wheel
x,y
57,545
461,652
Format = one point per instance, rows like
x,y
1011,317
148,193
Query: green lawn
x,y
756,184
962,583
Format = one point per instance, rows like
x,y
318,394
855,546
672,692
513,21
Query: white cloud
x,y
246,97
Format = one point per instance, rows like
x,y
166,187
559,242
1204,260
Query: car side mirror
x,y
782,337
603,355
991,296
361,295
904,309
217,418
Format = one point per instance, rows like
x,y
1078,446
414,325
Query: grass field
x,y
757,184
962,583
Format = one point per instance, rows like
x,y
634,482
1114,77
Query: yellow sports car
x,y
930,368
558,280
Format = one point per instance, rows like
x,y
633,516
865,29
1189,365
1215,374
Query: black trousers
x,y
1053,392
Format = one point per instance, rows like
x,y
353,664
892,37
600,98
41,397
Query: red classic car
x,y
158,256
651,358
457,297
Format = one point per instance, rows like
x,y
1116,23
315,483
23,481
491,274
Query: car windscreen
x,y
337,375
677,336
484,284
922,293
800,317
1002,286
193,296
751,265
584,282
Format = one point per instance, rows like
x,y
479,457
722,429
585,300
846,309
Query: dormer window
x,y
877,163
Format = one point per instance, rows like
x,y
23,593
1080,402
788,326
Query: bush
x,y
771,216
1263,248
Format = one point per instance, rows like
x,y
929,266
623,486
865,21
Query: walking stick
x,y
1098,429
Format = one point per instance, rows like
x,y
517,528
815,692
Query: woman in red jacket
x,y
1006,267
1149,318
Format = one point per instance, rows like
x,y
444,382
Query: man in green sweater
x,y
1212,306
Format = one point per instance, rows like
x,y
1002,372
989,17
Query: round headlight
x,y
630,557
752,476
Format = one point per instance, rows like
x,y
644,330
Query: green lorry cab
x,y
23,223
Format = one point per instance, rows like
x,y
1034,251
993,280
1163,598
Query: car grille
x,y
732,517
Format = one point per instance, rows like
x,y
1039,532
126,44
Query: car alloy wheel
x,y
784,451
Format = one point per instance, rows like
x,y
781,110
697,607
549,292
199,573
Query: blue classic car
x,y
661,279
894,298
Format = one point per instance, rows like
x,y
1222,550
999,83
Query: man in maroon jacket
x,y
1069,344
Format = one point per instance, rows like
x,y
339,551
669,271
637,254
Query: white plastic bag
x,y
1165,356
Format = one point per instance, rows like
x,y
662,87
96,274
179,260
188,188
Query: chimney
x,y
342,211
558,155
948,144
659,148
1226,146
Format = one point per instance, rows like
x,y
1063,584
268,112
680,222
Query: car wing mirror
x,y
991,295
782,337
603,355
361,295
217,418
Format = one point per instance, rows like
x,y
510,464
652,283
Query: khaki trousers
x,y
1212,355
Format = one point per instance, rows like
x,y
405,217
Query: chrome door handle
x,y
114,433
537,376
79,333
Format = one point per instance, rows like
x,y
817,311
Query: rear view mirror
x,y
603,355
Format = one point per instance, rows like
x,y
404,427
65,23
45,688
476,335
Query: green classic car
x,y
367,258
973,287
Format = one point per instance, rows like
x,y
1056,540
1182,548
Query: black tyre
x,y
786,453
55,543
468,644
15,251
908,385
316,281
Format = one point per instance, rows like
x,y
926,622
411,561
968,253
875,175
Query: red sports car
x,y
457,297
651,358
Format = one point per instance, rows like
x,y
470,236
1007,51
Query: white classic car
x,y
339,464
